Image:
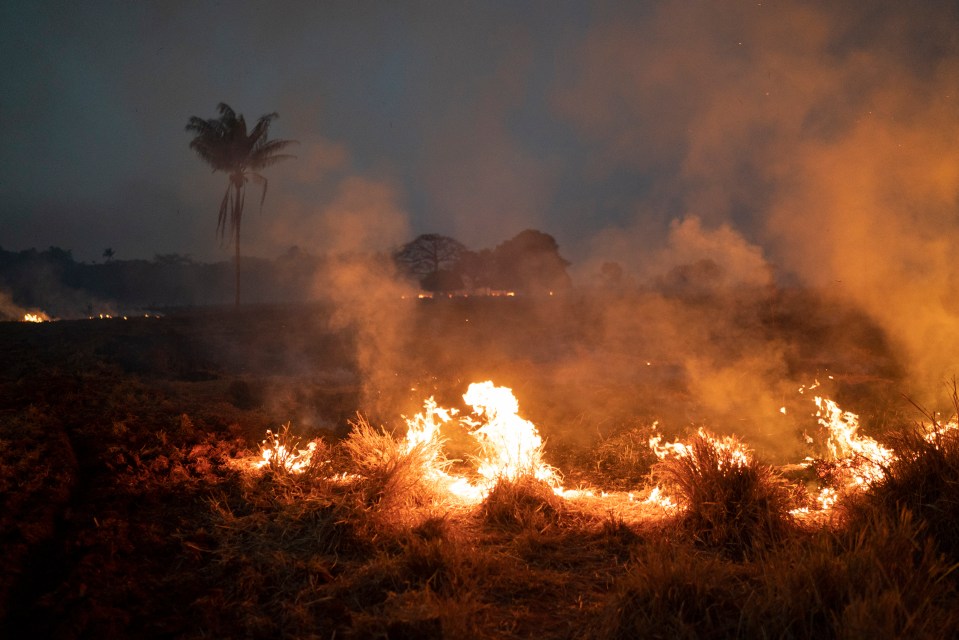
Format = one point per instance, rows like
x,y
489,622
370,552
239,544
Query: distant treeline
x,y
53,281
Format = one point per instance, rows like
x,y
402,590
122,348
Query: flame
x,y
280,451
510,446
861,456
39,316
659,499
739,455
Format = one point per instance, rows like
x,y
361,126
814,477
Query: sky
x,y
815,142
618,127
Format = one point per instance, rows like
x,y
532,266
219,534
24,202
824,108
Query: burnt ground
x,y
117,436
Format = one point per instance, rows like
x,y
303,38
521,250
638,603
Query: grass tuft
x,y
623,460
524,503
732,504
673,592
392,474
924,479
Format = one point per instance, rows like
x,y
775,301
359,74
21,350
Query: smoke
x,y
483,184
824,132
9,310
362,224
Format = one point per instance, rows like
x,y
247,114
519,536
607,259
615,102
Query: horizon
x,y
817,137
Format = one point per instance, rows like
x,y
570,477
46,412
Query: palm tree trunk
x,y
237,217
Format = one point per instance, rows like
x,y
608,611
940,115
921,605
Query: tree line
x,y
528,264
52,280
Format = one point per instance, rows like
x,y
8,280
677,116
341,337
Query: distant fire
x,y
39,316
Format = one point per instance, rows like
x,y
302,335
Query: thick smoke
x,y
826,130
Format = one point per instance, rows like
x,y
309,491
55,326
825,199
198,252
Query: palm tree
x,y
226,146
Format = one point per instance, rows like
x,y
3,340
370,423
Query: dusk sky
x,y
623,129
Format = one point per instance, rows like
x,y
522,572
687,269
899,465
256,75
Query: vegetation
x,y
734,505
130,505
528,263
225,144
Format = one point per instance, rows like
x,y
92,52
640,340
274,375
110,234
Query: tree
x,y
530,263
432,258
108,253
225,144
476,268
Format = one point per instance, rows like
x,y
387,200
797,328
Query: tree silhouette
x,y
429,253
530,263
433,259
225,144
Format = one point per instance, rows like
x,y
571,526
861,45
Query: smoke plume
x,y
826,132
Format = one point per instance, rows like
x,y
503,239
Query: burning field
x,y
594,465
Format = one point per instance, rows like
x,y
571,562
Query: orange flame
x,y
863,456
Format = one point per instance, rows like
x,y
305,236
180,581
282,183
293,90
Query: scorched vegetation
x,y
206,475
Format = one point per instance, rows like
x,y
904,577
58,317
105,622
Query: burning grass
x,y
923,481
143,507
731,501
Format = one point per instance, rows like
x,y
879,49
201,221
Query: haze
x,y
812,140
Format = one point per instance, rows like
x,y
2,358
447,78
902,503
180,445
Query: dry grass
x,y
125,515
524,503
624,460
881,579
924,480
673,591
729,504
391,475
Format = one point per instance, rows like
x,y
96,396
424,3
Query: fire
x,y
862,457
510,446
733,452
39,316
280,452
739,456
659,499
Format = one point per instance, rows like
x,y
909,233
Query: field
x,y
132,505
